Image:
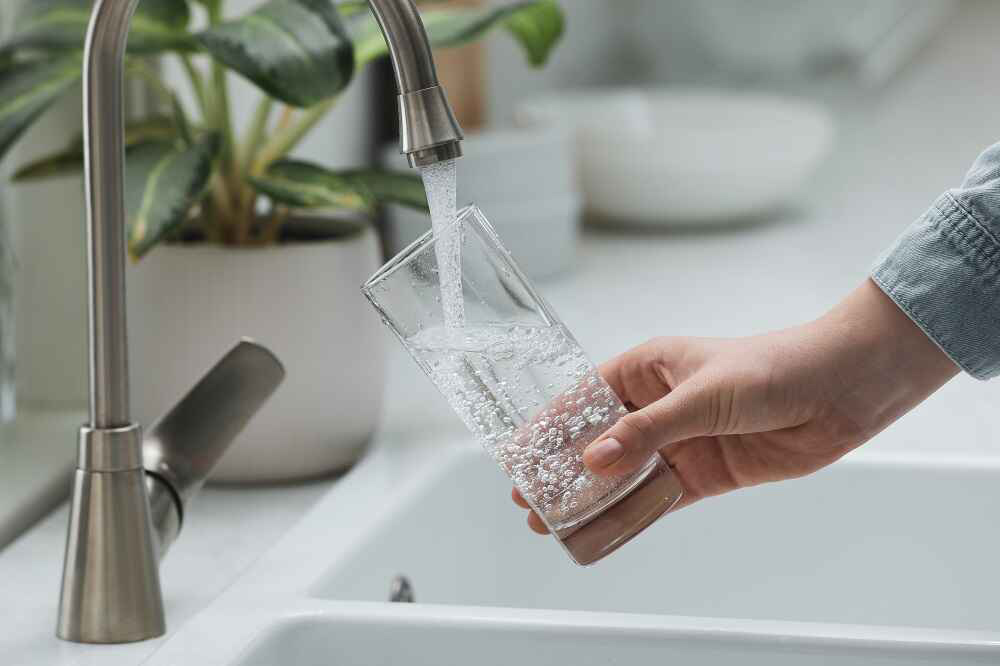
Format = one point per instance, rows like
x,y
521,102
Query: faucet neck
x,y
409,47
104,157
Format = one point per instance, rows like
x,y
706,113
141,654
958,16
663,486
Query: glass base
x,y
658,492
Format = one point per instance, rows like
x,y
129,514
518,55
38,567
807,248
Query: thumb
x,y
681,414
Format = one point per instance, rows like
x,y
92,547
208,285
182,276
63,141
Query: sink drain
x,y
401,591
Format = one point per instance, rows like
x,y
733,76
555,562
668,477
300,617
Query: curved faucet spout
x,y
429,130
111,586
409,48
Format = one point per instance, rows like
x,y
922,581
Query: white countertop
x,y
895,154
226,531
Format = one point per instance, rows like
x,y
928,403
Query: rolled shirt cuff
x,y
944,273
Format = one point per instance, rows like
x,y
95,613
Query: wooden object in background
x,y
463,73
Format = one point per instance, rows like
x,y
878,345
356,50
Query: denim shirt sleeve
x,y
944,271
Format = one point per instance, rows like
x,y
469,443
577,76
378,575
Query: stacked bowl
x,y
676,157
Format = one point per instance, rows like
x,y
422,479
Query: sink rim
x,y
258,625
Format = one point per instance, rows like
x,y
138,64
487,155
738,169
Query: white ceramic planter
x,y
189,304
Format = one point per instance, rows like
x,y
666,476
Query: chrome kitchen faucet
x,y
130,493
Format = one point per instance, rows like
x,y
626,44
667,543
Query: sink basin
x,y
873,561
859,543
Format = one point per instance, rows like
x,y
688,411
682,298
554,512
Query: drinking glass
x,y
521,383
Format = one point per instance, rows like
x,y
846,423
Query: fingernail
x,y
604,453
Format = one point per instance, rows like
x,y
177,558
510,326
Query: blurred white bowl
x,y
680,157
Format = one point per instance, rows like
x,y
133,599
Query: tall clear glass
x,y
521,383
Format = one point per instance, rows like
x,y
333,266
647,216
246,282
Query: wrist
x,y
893,341
884,361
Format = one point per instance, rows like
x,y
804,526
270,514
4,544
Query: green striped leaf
x,y
158,25
295,50
28,91
70,159
537,26
305,185
8,60
322,227
390,187
163,181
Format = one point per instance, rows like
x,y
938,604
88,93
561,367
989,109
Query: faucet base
x,y
111,581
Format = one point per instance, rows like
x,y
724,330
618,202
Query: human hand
x,y
728,414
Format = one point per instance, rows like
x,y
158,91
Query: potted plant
x,y
231,236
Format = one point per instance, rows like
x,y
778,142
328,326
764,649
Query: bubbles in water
x,y
511,387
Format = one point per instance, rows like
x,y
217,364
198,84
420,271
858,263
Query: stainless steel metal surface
x,y
401,591
112,450
409,48
124,518
164,511
103,117
430,132
435,154
428,128
111,587
183,447
111,581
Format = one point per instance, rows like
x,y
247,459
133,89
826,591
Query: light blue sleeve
x,y
944,271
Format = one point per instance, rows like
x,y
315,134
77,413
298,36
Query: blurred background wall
x,y
48,232
808,46
598,49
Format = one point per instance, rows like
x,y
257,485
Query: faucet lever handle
x,y
183,447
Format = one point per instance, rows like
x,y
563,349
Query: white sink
x,y
868,562
856,544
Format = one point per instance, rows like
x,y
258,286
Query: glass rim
x,y
407,254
